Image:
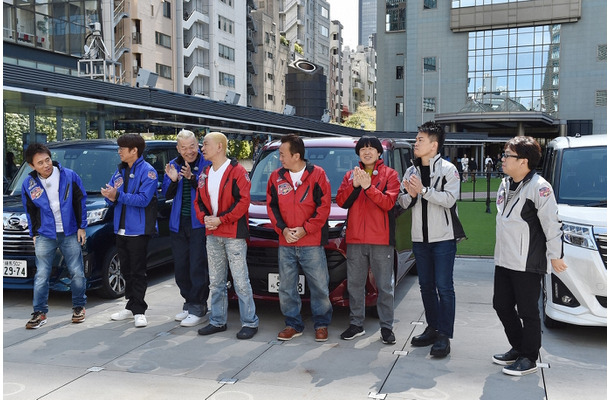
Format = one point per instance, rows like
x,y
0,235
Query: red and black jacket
x,y
370,219
233,201
308,206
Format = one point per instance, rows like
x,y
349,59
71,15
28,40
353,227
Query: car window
x,y
398,165
583,176
335,162
159,158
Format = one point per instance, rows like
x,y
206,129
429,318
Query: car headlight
x,y
95,216
579,235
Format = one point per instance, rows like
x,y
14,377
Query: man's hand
x,y
365,179
292,235
211,223
170,170
109,192
81,236
413,185
185,171
356,177
559,265
34,240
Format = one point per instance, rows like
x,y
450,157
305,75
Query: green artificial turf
x,y
480,228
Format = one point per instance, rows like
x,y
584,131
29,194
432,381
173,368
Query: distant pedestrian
x,y
465,163
55,205
489,165
473,168
528,235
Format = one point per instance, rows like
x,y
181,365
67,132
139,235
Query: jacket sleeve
x,y
451,191
79,201
147,188
385,198
546,204
404,198
240,191
111,183
200,208
322,198
28,205
347,193
273,206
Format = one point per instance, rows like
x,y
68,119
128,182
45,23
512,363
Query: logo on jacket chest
x,y
118,182
201,181
284,188
500,199
36,193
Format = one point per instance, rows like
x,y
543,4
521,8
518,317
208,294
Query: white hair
x,y
185,134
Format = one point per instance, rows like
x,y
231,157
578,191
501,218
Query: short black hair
x,y
295,143
526,147
369,141
34,149
131,140
435,132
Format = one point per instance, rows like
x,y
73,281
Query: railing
x,y
484,179
136,38
195,65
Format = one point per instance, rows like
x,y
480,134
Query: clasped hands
x,y
413,185
292,235
361,178
211,223
173,173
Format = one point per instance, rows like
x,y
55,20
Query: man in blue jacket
x,y
54,200
132,191
187,234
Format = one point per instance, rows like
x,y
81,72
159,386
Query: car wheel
x,y
548,322
113,282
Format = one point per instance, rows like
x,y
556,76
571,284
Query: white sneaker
x,y
121,315
140,320
182,315
193,320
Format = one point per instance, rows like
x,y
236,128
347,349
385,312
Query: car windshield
x,y
583,176
93,166
335,162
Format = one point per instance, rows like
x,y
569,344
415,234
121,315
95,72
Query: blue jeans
x,y
312,261
224,251
45,253
435,271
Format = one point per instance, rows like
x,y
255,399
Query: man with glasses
x,y
132,191
528,235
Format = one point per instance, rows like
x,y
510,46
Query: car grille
x,y
602,245
17,242
263,233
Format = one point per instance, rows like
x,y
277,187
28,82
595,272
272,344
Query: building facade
x,y
511,67
367,21
335,85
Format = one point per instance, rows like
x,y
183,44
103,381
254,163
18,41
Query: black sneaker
x,y
38,319
507,358
78,315
352,332
441,347
210,329
247,332
387,336
522,366
425,339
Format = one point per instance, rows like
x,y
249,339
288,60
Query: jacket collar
x,y
376,167
124,165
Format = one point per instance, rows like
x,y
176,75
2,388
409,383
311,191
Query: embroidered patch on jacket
x,y
118,182
284,188
31,184
201,181
247,177
152,174
456,174
500,199
36,193
544,192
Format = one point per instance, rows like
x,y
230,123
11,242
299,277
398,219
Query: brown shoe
x,y
288,333
322,334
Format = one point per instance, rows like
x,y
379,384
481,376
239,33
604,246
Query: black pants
x,y
132,256
191,266
515,300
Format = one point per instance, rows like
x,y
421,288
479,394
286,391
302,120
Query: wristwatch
x,y
423,191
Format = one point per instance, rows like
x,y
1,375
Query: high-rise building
x,y
367,20
335,78
535,67
359,78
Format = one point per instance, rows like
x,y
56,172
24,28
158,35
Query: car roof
x,y
581,141
345,142
103,143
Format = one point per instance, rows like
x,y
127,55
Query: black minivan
x,y
94,161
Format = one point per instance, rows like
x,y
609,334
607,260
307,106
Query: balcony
x,y
136,38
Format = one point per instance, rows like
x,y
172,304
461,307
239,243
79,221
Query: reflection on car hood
x,y
594,216
13,203
258,210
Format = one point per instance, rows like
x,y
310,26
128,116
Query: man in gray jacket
x,y
528,235
431,187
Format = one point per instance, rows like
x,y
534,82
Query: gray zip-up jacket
x,y
443,222
528,230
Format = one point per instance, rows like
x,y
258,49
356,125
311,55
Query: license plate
x,y
16,268
273,283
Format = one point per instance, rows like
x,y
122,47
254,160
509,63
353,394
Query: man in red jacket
x,y
223,198
298,203
369,192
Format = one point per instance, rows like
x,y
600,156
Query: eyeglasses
x,y
504,155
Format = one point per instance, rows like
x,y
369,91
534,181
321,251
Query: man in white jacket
x,y
528,235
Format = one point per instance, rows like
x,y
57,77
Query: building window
x,y
472,3
395,15
226,79
270,55
270,97
225,24
270,76
429,104
164,71
429,64
601,98
226,52
399,109
601,52
399,72
163,40
228,2
429,4
324,12
324,30
167,9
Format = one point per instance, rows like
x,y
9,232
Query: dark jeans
x,y
435,271
515,300
191,266
132,256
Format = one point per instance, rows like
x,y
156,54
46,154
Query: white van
x,y
576,167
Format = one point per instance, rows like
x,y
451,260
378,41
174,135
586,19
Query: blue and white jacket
x,y
72,204
140,198
173,190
